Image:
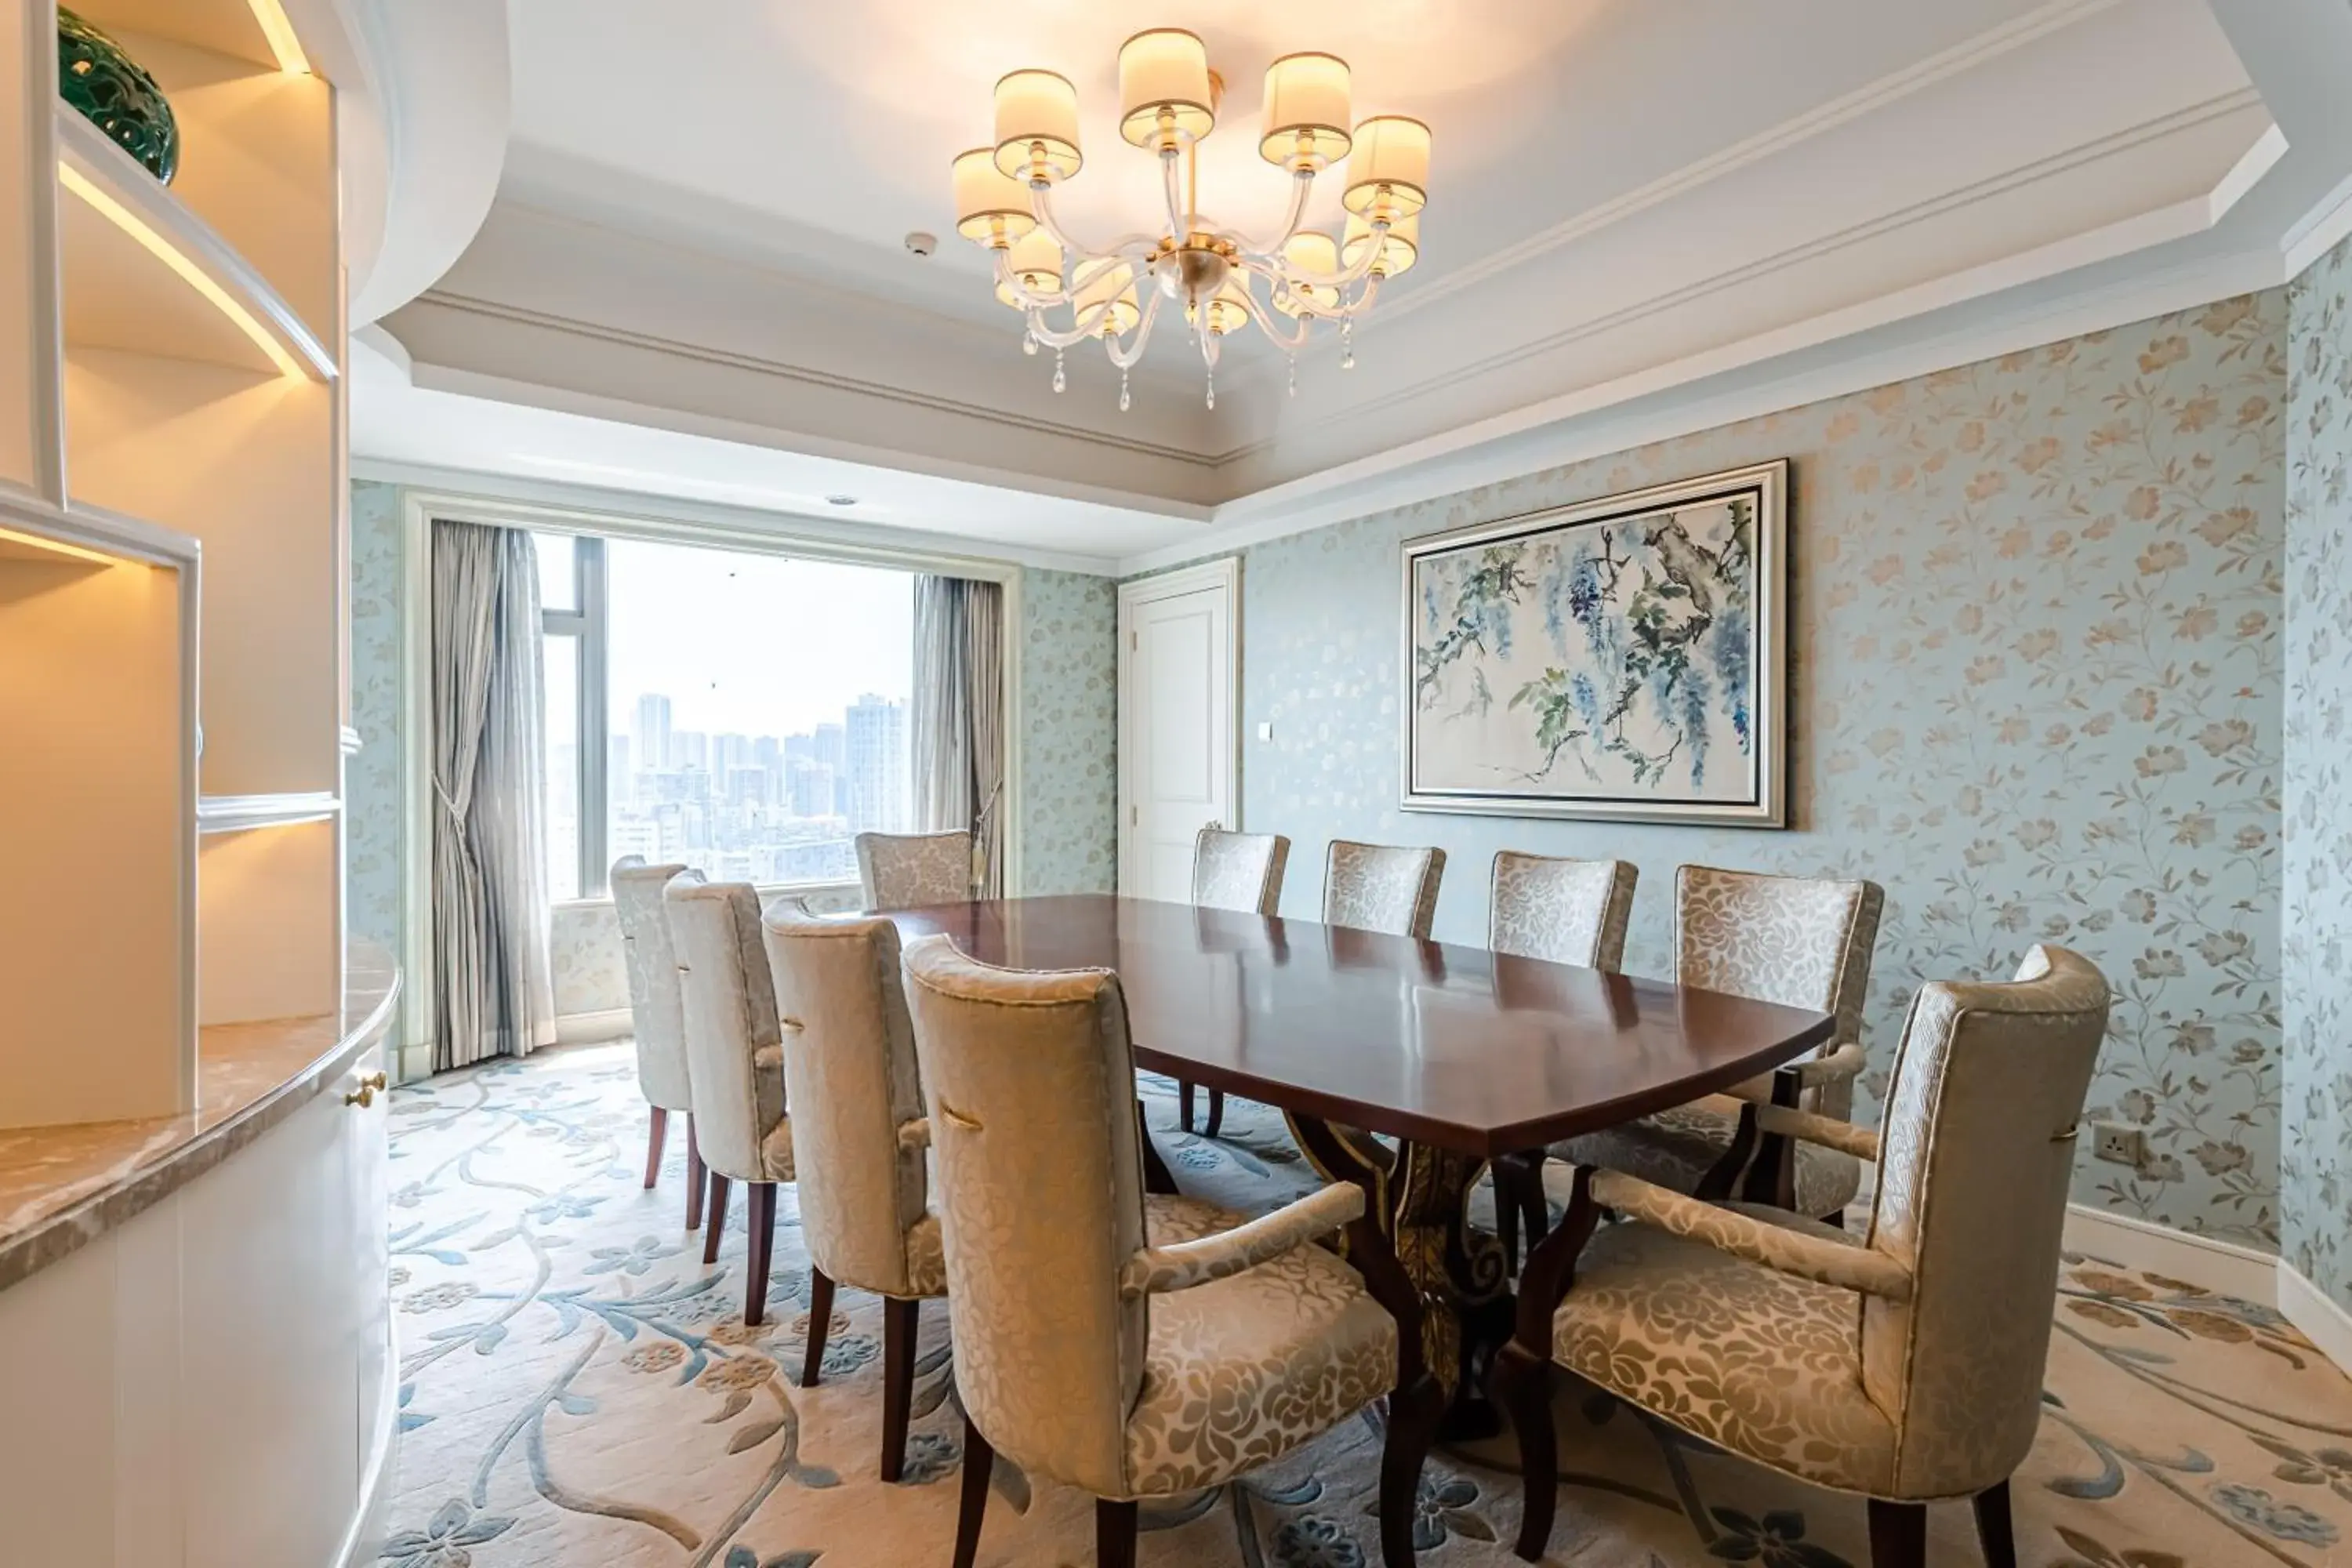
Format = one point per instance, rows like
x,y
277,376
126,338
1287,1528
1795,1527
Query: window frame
x,y
589,626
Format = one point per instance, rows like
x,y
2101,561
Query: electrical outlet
x,y
2118,1144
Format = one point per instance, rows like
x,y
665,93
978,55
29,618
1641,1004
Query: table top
x,y
1452,1045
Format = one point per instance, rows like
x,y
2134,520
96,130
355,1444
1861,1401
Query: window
x,y
744,714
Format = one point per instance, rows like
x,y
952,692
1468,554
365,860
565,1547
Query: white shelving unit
x,y
170,418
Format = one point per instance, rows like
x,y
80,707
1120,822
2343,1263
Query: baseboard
x,y
2222,1266
591,1028
367,1528
2324,1322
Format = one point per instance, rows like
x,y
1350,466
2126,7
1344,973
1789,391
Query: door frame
x,y
1223,573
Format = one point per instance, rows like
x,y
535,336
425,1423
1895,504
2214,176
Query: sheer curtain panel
x,y
492,980
958,723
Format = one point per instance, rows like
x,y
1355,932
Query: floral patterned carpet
x,y
577,1389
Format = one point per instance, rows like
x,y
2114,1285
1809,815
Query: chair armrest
x,y
1787,1252
1809,1126
1157,1270
1845,1063
915,1134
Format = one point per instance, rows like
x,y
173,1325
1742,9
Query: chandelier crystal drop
x,y
1218,277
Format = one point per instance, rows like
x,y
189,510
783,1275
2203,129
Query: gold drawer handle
x,y
365,1096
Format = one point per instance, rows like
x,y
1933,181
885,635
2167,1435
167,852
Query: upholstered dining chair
x,y
733,1054
1565,911
657,1013
909,870
1231,871
858,1139
1381,887
1128,1346
1805,941
1904,1364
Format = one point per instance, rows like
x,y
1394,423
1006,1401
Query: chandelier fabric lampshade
x,y
1388,172
1289,283
991,209
1165,99
1037,127
1399,247
1306,112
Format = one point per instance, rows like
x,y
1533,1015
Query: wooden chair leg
x,y
657,1129
1216,1122
698,1176
1504,1173
979,1459
1114,1527
1184,1105
762,1219
901,1321
1993,1530
718,1218
1158,1179
820,1320
1521,1384
1413,1415
1535,1208
1898,1535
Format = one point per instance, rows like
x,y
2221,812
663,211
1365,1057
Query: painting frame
x,y
1764,803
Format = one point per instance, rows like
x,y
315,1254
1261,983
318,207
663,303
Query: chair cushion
x,y
1756,1362
1676,1148
1239,1373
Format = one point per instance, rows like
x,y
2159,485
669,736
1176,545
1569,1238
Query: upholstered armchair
x,y
1801,941
1564,911
1381,887
733,1054
657,1012
1128,1346
1906,1365
1233,871
909,871
858,1139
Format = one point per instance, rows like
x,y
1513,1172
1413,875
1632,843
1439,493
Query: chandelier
x,y
1218,277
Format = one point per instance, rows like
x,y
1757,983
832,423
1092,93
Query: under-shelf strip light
x,y
164,250
59,547
281,33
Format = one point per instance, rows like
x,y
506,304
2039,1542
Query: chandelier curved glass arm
x,y
1084,324
1041,202
1291,342
1043,299
1301,185
1126,358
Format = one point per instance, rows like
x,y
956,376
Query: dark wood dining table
x,y
1458,1054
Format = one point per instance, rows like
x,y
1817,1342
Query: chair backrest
x,y
1378,887
730,1005
1976,1152
1570,911
909,870
1239,870
850,1079
1802,941
651,959
1030,1093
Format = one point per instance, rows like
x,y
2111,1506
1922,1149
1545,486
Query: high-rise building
x,y
689,748
620,781
768,751
653,732
829,747
812,789
875,738
729,753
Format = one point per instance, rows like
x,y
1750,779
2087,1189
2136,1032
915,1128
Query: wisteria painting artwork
x,y
1620,660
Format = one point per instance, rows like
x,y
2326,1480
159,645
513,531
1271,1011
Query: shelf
x,y
245,813
33,529
254,31
146,274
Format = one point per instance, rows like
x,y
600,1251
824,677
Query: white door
x,y
1176,716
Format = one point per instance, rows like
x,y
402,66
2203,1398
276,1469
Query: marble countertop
x,y
62,1187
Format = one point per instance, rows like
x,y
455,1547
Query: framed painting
x,y
1621,661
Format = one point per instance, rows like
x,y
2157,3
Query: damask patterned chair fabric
x,y
1802,941
656,1008
1239,870
1126,1370
1568,911
731,1039
1381,887
851,1080
1908,1363
909,871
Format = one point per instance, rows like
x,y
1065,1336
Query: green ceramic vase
x,y
114,92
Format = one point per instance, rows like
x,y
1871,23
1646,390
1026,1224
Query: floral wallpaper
x,y
372,824
1069,733
2035,680
2315,1174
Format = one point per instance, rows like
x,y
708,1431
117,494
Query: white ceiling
x,y
699,230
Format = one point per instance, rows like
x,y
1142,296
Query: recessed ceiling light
x,y
840,500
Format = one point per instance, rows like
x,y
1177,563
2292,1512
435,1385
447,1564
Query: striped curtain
x,y
493,984
958,718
